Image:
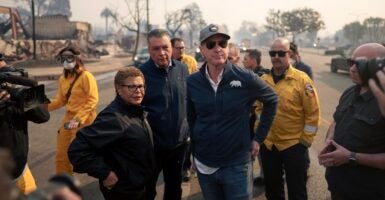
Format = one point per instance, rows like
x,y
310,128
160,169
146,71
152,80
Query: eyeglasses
x,y
280,53
133,88
179,48
69,59
351,62
212,44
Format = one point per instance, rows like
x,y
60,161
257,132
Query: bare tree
x,y
41,6
134,21
274,22
194,21
175,20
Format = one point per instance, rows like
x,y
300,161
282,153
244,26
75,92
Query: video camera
x,y
368,69
27,94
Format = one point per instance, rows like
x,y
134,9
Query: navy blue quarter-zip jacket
x,y
165,102
219,121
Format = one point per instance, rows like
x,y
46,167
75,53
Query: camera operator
x,y
354,151
14,130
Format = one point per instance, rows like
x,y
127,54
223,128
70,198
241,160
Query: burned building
x,y
59,27
51,32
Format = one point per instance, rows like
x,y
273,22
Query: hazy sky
x,y
335,13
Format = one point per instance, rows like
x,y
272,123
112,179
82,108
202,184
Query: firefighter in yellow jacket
x,y
78,92
179,53
285,149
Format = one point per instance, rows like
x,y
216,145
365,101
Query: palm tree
x,y
106,13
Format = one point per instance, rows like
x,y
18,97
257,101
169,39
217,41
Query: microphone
x,y
18,80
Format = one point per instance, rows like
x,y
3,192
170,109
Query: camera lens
x,y
368,69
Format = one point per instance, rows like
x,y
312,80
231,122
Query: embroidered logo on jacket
x,y
235,84
309,90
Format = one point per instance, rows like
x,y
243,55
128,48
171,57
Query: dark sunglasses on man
x,y
211,44
280,53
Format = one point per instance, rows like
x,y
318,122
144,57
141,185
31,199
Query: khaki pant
x,y
26,182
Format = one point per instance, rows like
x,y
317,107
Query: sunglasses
x,y
179,48
280,53
133,88
212,44
67,58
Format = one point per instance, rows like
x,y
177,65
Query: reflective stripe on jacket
x,y
298,112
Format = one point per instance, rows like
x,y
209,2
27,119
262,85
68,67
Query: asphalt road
x,y
329,87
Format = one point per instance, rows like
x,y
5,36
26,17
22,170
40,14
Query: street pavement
x,y
46,72
43,137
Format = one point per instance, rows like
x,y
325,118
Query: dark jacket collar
x,y
366,96
226,69
172,65
130,109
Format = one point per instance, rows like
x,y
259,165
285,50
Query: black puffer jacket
x,y
119,140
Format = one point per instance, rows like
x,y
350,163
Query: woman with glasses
x,y
78,93
118,147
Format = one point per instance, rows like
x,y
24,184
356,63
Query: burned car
x,y
341,62
141,57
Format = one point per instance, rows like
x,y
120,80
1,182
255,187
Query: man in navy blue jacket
x,y
165,102
297,62
219,99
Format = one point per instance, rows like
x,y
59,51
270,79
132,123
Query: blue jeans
x,y
227,183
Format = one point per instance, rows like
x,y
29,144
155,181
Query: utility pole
x,y
33,28
148,16
189,19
